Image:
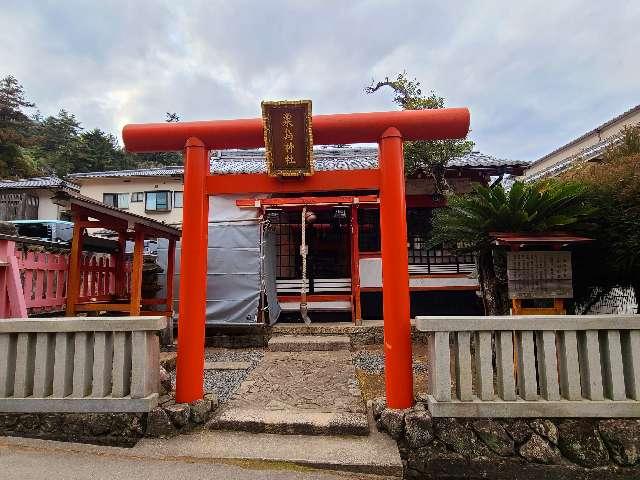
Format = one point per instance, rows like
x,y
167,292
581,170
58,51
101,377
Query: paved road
x,y
38,461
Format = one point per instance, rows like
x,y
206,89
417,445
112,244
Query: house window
x,y
177,199
137,197
158,201
118,200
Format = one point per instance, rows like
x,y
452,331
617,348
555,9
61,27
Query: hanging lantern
x,y
310,217
273,214
340,214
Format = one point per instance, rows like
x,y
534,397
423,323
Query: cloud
x,y
534,74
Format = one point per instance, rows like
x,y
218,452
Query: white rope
x,y
303,252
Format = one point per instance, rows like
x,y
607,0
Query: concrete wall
x,y
47,210
96,187
574,148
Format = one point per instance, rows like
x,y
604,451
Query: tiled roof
x,y
606,124
94,205
253,161
141,172
481,160
326,159
38,182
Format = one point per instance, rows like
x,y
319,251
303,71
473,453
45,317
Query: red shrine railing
x,y
98,278
44,279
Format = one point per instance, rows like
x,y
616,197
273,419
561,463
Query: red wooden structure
x,y
349,201
114,285
388,129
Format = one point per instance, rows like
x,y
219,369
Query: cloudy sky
x,y
534,74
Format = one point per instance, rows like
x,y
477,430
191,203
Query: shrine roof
x,y
71,199
536,239
38,182
326,159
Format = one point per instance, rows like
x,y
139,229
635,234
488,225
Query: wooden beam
x,y
355,266
94,224
327,130
120,265
153,301
73,282
315,298
103,307
171,257
136,273
299,201
338,180
115,223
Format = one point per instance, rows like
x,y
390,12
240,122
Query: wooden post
x,y
136,272
395,272
355,266
119,264
171,257
73,283
13,303
193,275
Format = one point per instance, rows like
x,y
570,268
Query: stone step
x,y
309,343
376,453
290,422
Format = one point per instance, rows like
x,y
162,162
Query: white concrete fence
x,y
534,366
75,364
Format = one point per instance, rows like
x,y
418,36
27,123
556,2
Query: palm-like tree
x,y
469,220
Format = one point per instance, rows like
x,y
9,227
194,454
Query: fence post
x,y
13,303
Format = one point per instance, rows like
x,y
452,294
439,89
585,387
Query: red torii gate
x,y
388,129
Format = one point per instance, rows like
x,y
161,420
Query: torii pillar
x,y
388,129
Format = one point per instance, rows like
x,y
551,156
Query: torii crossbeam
x,y
388,129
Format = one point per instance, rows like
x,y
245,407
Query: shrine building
x,y
255,264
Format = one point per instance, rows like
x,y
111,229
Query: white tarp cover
x,y
233,266
269,273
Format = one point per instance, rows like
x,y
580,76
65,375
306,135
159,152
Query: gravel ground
x,y
225,382
373,362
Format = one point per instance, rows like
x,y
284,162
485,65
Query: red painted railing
x,y
44,280
98,278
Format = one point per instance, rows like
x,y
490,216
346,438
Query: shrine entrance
x,y
328,241
285,138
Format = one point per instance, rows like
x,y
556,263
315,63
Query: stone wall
x,y
534,448
117,429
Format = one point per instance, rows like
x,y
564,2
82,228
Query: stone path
x,y
298,393
209,455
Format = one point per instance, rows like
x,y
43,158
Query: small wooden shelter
x,y
538,270
122,293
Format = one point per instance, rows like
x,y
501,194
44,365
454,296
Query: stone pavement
x,y
298,393
30,459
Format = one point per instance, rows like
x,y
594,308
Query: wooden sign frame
x,y
298,160
539,274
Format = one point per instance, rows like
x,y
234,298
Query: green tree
x,y
430,157
59,144
100,151
469,220
16,130
614,186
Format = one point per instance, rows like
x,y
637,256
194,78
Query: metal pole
x,y
395,272
193,274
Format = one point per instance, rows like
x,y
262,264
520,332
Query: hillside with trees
x,y
33,145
